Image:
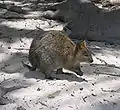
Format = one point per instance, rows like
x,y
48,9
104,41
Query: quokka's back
x,y
53,50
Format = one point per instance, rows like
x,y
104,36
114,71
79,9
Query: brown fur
x,y
55,51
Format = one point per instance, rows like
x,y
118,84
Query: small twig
x,y
5,80
102,60
53,95
108,90
105,64
84,98
108,65
12,17
105,73
43,103
39,28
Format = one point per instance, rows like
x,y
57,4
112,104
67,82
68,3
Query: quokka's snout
x,y
91,60
91,57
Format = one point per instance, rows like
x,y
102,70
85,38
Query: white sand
x,y
24,90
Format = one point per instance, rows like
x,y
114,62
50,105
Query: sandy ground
x,y
21,89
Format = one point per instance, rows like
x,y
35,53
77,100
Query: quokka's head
x,y
82,54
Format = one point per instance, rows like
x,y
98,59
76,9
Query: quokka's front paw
x,y
79,73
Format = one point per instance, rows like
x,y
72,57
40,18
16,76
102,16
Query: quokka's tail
x,y
28,66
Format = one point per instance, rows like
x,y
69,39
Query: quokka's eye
x,y
86,54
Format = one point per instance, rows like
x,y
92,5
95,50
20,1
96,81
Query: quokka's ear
x,y
80,46
77,48
83,44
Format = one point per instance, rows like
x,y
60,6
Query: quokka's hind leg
x,y
59,71
49,75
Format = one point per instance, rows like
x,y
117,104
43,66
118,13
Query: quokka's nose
x,y
91,60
